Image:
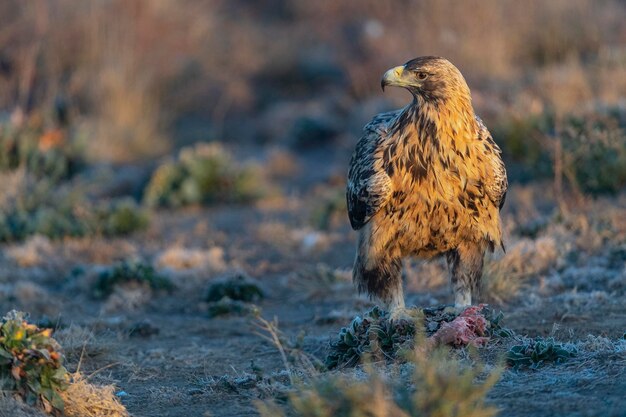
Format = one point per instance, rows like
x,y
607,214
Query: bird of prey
x,y
424,181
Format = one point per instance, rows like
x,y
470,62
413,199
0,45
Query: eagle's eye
x,y
422,75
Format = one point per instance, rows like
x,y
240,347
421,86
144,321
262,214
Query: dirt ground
x,y
168,358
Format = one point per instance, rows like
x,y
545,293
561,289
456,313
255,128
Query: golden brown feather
x,y
425,180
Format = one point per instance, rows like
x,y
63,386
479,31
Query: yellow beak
x,y
393,77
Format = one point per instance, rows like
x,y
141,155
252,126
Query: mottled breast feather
x,y
497,184
369,186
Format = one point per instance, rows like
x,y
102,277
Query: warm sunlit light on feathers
x,y
425,180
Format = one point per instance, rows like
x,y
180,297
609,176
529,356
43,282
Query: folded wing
x,y
496,183
369,186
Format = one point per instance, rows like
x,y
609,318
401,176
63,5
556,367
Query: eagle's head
x,y
430,79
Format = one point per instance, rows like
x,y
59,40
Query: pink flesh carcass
x,y
467,329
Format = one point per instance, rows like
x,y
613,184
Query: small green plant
x,y
203,174
238,287
31,363
233,295
120,217
496,324
535,352
226,307
130,272
373,335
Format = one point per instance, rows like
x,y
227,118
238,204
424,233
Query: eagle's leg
x,y
465,264
379,275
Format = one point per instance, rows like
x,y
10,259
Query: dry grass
x,y
281,164
31,253
79,342
83,399
591,228
113,64
276,234
511,38
425,275
177,257
130,69
504,277
438,386
369,398
316,282
297,363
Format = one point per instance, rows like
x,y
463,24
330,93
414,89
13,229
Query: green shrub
x,y
45,154
120,217
39,207
523,146
203,174
130,272
227,307
593,148
535,352
236,287
31,363
233,295
594,152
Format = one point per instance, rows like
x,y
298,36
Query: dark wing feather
x,y
496,184
369,186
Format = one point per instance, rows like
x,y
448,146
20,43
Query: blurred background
x,y
289,85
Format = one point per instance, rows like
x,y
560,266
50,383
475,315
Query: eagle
x,y
425,181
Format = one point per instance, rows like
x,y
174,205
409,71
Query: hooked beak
x,y
393,77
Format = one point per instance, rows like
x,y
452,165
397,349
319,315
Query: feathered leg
x,y
378,274
465,264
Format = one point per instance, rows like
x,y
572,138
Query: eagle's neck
x,y
440,125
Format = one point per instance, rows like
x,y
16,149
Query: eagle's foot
x,y
462,298
455,310
398,314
